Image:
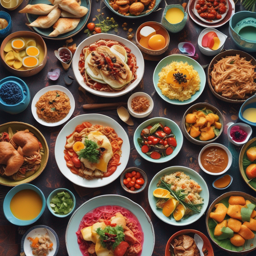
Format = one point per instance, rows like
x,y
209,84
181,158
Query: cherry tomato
x,y
172,141
167,130
138,175
133,173
129,179
132,188
165,142
133,178
76,161
161,142
155,155
210,16
149,127
218,16
222,9
168,151
145,148
198,6
128,185
209,4
215,3
201,2
91,26
199,11
125,182
140,181
155,141
97,30
223,1
204,15
132,183
160,134
137,186
128,175
150,138
150,142
205,8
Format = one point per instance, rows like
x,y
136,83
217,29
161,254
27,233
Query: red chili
x,y
155,155
168,151
172,142
145,148
167,130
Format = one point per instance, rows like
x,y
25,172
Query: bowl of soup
x,y
24,204
23,53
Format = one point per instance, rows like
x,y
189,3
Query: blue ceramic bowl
x,y
231,180
20,106
179,58
7,200
53,193
6,31
165,121
250,103
242,43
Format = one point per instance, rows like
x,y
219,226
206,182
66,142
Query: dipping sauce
x,y
250,114
65,55
3,23
26,205
140,104
10,93
174,15
214,159
222,182
237,134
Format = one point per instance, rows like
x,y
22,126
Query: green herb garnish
x,y
154,128
90,152
57,95
61,203
53,109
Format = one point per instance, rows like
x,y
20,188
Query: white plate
x,y
69,128
39,230
134,49
213,21
43,91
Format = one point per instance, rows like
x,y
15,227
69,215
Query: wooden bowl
x,y
19,126
201,105
207,243
218,57
210,233
24,73
251,184
149,51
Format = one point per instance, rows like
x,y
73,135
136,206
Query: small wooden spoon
x,y
124,115
103,105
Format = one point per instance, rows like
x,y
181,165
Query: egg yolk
x,y
144,40
30,61
78,146
156,42
18,43
32,51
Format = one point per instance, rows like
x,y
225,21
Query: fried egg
x,y
106,148
78,146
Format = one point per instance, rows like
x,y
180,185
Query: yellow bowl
x,y
19,2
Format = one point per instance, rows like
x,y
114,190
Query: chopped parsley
x,y
90,152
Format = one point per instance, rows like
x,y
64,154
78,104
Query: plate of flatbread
x,y
57,19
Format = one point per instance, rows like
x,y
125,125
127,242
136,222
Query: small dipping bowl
x,y
250,103
53,193
143,114
164,33
187,48
143,174
231,180
6,31
207,51
7,201
6,4
247,128
220,146
65,51
23,104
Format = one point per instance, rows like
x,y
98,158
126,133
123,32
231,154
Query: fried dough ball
x,y
115,7
146,2
136,8
124,9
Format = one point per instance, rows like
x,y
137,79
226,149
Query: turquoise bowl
x,y
23,104
193,175
250,103
174,28
53,193
175,129
242,43
132,16
179,57
7,200
6,31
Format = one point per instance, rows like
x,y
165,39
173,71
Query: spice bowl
x,y
129,170
222,188
142,114
245,127
6,31
218,146
54,193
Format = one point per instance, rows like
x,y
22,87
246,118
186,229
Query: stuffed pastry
x,y
73,7
37,9
64,25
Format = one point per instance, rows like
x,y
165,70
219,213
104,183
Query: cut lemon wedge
x,y
162,193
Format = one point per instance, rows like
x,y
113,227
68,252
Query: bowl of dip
x,y
140,105
247,112
215,159
5,24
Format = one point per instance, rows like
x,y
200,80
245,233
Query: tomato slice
x,y
208,39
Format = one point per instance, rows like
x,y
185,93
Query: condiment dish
x,y
40,230
250,103
6,31
7,200
219,146
231,180
18,3
247,128
143,174
53,193
143,114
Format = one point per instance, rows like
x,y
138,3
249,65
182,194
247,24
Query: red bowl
x,y
207,243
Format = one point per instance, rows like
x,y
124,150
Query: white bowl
x,y
134,49
245,127
220,146
143,114
42,92
208,51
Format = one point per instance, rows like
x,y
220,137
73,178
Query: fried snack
x,y
136,8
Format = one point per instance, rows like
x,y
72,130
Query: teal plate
x,y
137,210
45,32
133,16
194,176
178,57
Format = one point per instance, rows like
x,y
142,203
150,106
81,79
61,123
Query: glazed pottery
x,y
6,31
250,103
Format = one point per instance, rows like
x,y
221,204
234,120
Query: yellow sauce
x,y
250,114
222,182
174,15
26,205
9,3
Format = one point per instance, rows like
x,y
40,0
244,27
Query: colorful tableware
x,y
7,4
6,31
250,103
231,180
247,128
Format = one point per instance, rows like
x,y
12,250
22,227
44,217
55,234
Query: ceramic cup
x,y
174,28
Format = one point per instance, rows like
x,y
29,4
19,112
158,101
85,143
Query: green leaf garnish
x,y
53,109
216,131
90,152
246,212
140,142
154,128
226,233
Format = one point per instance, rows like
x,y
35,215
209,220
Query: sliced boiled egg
x,y
156,42
31,42
18,44
32,51
78,146
145,34
30,62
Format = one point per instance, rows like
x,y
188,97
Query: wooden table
x,y
51,178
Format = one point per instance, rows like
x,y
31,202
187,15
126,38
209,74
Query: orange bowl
x,y
207,243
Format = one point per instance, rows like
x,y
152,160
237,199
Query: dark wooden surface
x,y
51,178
